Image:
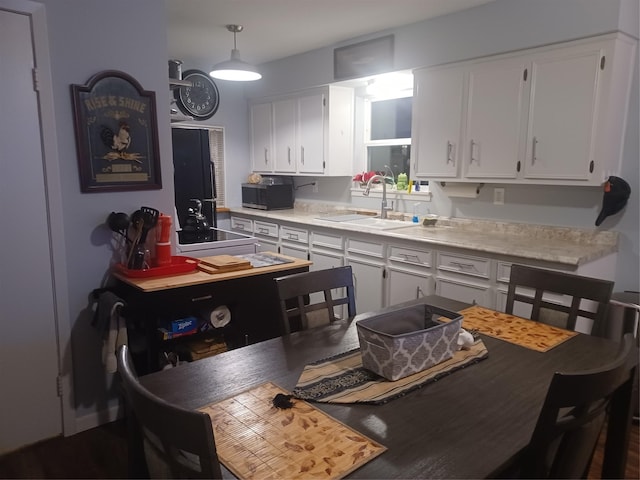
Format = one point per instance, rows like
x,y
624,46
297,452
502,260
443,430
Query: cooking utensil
x,y
150,219
119,223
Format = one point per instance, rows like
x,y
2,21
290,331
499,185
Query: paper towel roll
x,y
220,316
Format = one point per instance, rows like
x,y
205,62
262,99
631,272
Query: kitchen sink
x,y
367,221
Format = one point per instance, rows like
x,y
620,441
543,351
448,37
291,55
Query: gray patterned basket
x,y
398,342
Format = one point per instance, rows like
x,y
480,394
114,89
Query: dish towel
x,y
112,326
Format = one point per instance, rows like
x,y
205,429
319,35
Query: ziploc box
x,y
399,341
184,324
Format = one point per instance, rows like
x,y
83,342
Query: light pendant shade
x,y
235,69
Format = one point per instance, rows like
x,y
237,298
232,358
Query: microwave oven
x,y
267,197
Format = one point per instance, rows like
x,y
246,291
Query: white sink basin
x,y
379,223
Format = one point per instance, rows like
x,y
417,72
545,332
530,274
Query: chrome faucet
x,y
384,207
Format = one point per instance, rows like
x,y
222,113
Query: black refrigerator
x,y
193,173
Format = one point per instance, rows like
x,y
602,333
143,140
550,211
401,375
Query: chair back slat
x,y
295,290
577,287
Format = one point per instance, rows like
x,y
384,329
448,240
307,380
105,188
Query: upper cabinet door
x,y
261,148
284,135
562,115
437,121
311,135
495,116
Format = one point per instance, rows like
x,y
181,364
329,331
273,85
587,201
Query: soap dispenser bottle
x,y
415,213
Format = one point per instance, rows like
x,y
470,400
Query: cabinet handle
x,y
239,226
292,236
289,155
472,157
534,143
263,230
464,265
409,256
204,297
302,155
266,156
450,153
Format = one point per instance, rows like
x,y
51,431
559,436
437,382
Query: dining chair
x,y
295,290
177,443
545,310
573,414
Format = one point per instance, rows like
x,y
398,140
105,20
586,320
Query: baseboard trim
x,y
96,419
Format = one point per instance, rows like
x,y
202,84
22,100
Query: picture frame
x,y
116,128
361,59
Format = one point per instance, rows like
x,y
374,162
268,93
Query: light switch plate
x,y
498,196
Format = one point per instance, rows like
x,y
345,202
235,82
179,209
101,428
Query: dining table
x,y
472,423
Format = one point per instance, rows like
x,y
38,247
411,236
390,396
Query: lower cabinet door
x,y
368,284
404,285
465,292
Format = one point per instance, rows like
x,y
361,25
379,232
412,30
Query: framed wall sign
x,y
116,134
362,59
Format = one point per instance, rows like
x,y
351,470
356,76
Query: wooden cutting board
x,y
223,264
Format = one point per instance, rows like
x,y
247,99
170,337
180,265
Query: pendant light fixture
x,y
235,69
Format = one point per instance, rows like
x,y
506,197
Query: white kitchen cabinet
x,y
437,121
294,242
267,235
562,113
243,225
464,277
261,135
495,113
408,273
284,135
327,251
311,133
366,255
550,115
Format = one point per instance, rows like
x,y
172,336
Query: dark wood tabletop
x,y
470,424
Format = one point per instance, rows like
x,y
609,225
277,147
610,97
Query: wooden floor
x,y
102,453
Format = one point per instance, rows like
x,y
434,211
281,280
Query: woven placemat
x,y
526,333
343,379
256,440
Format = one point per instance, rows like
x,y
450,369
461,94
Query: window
x,y
216,150
388,135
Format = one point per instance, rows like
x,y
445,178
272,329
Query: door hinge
x,y
602,61
36,79
524,76
324,102
59,386
384,272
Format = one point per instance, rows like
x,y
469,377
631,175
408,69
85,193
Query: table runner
x,y
526,333
343,379
256,440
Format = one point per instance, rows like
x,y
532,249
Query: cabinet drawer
x,y
473,266
297,235
411,256
242,224
326,240
362,247
265,229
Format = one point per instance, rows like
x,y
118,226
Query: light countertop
x,y
563,245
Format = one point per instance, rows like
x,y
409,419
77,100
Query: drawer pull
x,y
263,230
408,257
292,236
204,297
464,266
239,226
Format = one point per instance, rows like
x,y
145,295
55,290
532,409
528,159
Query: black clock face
x,y
201,100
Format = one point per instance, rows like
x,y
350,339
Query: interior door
x,y
193,172
31,408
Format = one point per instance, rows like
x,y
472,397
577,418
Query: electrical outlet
x,y
315,187
498,196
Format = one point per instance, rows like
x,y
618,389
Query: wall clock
x,y
202,99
